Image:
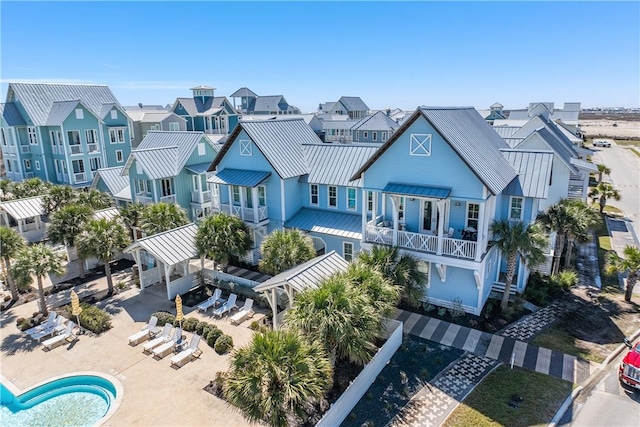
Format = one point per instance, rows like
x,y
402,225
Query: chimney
x,y
388,112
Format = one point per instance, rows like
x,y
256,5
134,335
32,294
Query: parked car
x,y
629,372
601,143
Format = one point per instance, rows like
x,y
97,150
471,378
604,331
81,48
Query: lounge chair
x,y
213,300
57,326
59,339
164,336
187,354
46,325
163,349
226,307
243,313
146,332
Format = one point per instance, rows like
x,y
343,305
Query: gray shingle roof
x,y
335,164
376,122
23,208
308,274
170,247
475,142
534,171
417,190
243,92
241,177
37,98
353,103
11,115
60,110
326,222
117,184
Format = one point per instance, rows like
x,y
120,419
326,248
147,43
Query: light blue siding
x,y
460,283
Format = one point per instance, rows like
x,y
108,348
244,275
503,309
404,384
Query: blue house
x,y
205,112
251,103
112,182
62,133
171,167
352,106
375,128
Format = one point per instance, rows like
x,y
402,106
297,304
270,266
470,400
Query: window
x,y
347,251
4,138
473,213
420,144
365,135
167,187
114,114
78,166
248,197
33,138
91,135
235,191
119,157
196,182
351,198
9,169
369,201
313,189
333,196
155,127
37,165
201,151
245,147
94,163
27,164
515,208
262,195
74,137
143,186
401,210
374,136
116,135
56,141
384,136
174,126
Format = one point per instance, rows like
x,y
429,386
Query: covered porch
x,y
245,197
24,216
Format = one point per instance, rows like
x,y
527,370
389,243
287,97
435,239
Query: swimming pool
x,y
77,400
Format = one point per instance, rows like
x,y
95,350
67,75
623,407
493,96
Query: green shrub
x,y
223,344
92,318
212,335
24,324
190,324
200,328
164,317
565,279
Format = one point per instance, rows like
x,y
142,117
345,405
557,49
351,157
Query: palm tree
x,y
37,260
630,264
276,376
603,170
221,237
340,317
159,217
11,243
603,192
284,249
517,240
103,239
559,219
6,187
382,293
132,215
57,197
584,220
95,199
30,188
401,269
66,224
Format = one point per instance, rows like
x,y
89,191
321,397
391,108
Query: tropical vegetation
x,y
629,264
603,170
284,249
603,192
159,217
11,243
222,237
65,225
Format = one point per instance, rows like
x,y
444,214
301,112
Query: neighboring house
x,y
171,167
352,106
25,217
337,128
145,120
375,128
205,112
251,103
62,133
493,113
569,114
111,181
310,119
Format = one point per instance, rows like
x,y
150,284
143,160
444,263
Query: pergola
x,y
299,278
21,211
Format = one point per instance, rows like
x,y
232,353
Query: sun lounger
x,y
57,326
243,313
213,300
187,354
166,334
59,339
226,307
46,325
146,332
163,349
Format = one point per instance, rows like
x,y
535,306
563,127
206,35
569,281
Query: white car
x,y
601,143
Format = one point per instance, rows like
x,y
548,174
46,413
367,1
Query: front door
x,y
430,217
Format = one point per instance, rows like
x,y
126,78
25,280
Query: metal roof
x,y
242,177
417,190
38,98
59,112
203,87
338,124
170,247
475,142
23,208
378,121
198,168
506,131
308,274
117,184
583,164
353,103
326,222
11,114
243,92
335,164
104,110
534,172
563,152
108,214
269,103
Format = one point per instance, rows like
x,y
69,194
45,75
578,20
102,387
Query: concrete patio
x,y
154,392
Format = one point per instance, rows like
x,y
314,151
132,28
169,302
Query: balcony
x,y
80,177
247,214
200,197
62,177
93,148
144,198
75,149
171,198
57,149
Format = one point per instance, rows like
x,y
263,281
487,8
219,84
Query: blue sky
x,y
391,54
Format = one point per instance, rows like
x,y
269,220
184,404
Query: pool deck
x,y
154,392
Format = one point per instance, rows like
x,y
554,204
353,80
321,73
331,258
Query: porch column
x,y
167,277
364,215
395,202
520,273
374,208
441,211
230,199
243,203
138,259
585,186
482,228
384,207
274,308
20,227
254,197
155,191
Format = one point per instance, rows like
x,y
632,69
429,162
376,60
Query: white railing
x,y
80,177
75,149
144,198
57,149
62,177
417,241
200,197
168,199
381,235
10,149
92,148
459,248
24,149
150,277
247,214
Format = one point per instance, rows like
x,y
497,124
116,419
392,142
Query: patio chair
x,y
146,332
226,307
59,339
213,300
243,313
46,325
164,336
163,349
57,326
188,354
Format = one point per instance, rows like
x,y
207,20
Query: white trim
x,y
113,113
466,220
344,250
37,165
329,187
317,187
355,198
246,147
420,144
511,198
121,156
79,114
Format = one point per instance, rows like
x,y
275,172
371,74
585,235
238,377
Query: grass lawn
x,y
636,152
488,404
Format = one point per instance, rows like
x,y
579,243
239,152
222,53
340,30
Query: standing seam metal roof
x,y
108,214
534,172
417,190
241,177
378,121
11,114
243,92
326,222
335,164
115,182
353,103
23,208
556,146
59,112
170,247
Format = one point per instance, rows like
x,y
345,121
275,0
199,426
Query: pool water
x,y
71,401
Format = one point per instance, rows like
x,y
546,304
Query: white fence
x,y
150,277
181,285
220,275
352,395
